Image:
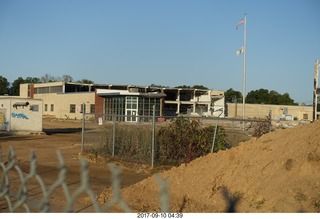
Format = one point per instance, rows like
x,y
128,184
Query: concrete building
x,y
20,114
278,112
65,100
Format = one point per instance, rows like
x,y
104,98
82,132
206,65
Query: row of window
x,y
46,107
130,107
73,108
45,90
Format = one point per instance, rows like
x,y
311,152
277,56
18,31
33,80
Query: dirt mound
x,y
279,172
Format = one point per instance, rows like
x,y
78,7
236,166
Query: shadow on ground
x,y
62,131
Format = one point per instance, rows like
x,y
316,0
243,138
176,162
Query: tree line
x,y
14,89
261,96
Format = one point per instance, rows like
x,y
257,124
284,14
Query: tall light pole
x,y
244,67
244,51
315,88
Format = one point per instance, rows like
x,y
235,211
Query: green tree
x,y
85,81
4,86
33,80
182,86
155,85
199,87
15,87
260,96
264,96
231,94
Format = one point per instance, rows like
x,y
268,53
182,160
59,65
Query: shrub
x,y
261,128
184,140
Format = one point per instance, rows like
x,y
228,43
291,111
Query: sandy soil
x,y
279,172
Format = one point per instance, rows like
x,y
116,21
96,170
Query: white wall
x,y
20,118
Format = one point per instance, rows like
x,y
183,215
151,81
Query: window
x,y
132,102
92,108
72,108
52,107
305,116
45,107
56,89
35,108
41,90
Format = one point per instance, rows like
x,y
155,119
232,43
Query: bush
x,y
261,128
184,140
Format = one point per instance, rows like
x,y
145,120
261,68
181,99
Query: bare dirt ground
x,y
278,172
65,136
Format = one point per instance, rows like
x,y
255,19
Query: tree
x,y
200,87
231,94
15,87
154,85
260,96
85,81
182,86
264,96
67,78
47,78
33,80
4,86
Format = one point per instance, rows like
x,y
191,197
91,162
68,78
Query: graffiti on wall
x,y
19,116
3,122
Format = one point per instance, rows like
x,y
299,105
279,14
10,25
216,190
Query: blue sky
x,y
164,42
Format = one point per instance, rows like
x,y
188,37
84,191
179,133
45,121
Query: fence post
x,y
233,132
153,133
82,132
113,135
215,132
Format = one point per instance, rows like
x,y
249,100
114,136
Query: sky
x,y
164,42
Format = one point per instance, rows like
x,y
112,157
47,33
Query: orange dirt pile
x,y
279,172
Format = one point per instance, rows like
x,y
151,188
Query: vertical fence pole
x,y
215,132
233,133
113,135
82,132
153,134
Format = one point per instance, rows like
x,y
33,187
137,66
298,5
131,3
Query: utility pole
x,y
315,87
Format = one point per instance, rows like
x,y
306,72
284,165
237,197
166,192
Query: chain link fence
x,y
16,187
138,140
133,141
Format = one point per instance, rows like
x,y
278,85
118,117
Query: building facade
x,y
277,112
129,102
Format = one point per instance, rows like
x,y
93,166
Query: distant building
x,y
277,112
20,114
128,102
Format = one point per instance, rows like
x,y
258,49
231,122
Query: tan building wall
x,y
277,111
24,90
20,114
59,105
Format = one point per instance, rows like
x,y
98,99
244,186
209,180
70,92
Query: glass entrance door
x,y
131,109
